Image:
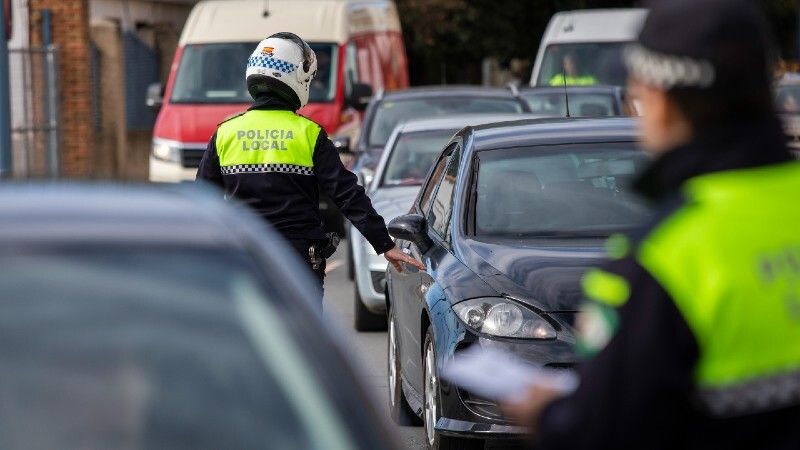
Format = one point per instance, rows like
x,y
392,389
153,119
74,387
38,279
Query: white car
x,y
409,153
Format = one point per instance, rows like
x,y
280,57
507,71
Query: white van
x,y
592,39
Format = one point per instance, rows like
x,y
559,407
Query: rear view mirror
x,y
155,96
360,94
412,228
342,144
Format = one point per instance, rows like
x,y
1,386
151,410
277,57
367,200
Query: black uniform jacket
x,y
637,392
290,202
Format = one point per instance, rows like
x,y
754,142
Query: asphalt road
x,y
369,349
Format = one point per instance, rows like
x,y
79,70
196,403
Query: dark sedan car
x,y
507,222
165,319
387,110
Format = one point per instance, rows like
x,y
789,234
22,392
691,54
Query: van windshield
x,y
583,64
215,73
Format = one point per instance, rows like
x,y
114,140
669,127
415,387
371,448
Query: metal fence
x,y
34,112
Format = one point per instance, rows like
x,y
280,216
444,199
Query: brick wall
x,y
71,36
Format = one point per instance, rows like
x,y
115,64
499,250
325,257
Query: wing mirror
x,y
342,144
155,96
360,94
411,227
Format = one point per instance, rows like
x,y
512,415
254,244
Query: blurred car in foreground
x,y
154,318
584,101
509,219
410,152
387,110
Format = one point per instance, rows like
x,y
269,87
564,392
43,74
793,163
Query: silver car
x,y
409,153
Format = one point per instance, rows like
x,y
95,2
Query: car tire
x,y
364,319
398,405
431,406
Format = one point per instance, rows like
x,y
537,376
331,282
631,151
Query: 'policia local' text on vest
x,y
730,260
262,141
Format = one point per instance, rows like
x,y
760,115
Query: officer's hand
x,y
395,257
527,409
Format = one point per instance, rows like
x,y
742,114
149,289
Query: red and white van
x,y
359,48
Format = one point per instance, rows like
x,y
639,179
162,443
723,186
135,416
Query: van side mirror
x,y
342,144
360,94
411,227
155,96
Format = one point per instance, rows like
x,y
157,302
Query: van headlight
x,y
166,151
497,316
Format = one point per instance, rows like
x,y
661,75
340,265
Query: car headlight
x,y
165,152
502,317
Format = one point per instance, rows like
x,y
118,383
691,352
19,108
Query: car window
x,y
213,73
413,155
180,348
584,63
580,104
390,113
442,205
787,98
433,181
558,190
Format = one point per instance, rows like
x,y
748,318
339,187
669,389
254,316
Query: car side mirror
x,y
411,227
155,96
360,94
342,144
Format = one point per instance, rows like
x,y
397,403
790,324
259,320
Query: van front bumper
x,y
170,172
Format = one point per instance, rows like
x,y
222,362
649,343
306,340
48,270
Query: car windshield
x,y
560,190
583,64
412,157
580,104
215,73
149,348
787,99
390,113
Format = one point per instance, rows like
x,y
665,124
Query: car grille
x,y
378,281
190,157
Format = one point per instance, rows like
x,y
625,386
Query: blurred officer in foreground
x,y
275,160
694,326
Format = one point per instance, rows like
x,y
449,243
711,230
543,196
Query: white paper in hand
x,y
498,375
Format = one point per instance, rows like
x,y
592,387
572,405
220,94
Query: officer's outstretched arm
x,y
209,170
342,186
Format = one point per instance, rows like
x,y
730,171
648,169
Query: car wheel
x,y
431,413
366,320
398,406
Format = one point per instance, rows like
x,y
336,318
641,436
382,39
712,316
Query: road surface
x,y
369,349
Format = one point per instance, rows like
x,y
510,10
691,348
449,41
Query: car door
x,y
404,303
438,214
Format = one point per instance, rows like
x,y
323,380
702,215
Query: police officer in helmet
x,y
692,330
275,160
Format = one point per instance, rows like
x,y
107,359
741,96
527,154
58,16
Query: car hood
x,y
391,202
544,273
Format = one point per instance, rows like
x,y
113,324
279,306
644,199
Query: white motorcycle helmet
x,y
282,64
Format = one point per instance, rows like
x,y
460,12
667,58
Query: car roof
x,y
459,121
598,89
447,91
552,131
102,212
323,21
